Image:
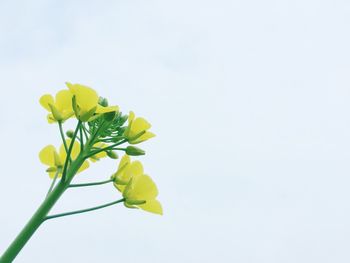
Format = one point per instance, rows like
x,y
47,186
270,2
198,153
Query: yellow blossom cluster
x,y
83,103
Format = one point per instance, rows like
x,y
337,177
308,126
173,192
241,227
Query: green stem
x,y
85,210
106,148
85,131
69,152
40,215
62,136
91,184
52,184
81,139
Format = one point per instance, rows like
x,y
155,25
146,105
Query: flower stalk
x,y
100,129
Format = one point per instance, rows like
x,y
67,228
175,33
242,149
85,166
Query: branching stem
x,y
91,184
84,210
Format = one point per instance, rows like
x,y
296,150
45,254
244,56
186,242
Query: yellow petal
x,y
75,150
86,97
101,109
45,100
64,101
52,175
141,188
133,169
84,166
100,155
124,160
47,155
152,206
50,118
131,116
146,136
138,125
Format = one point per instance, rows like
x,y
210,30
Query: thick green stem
x,y
39,216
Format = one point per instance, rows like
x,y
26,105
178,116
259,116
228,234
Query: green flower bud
x,y
103,102
69,133
109,116
134,151
112,154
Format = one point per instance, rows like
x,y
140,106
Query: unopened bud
x,y
112,154
70,133
109,116
134,151
103,102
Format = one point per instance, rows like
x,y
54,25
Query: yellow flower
x,y
60,108
55,160
138,189
99,155
124,172
142,192
86,100
136,131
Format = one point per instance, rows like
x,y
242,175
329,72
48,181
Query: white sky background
x,y
250,104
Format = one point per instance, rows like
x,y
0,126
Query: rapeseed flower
x,y
142,192
137,130
60,108
138,189
55,160
85,103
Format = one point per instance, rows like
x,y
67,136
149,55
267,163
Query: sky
x,y
250,104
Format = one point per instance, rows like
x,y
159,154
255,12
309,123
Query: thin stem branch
x,y
85,132
62,136
70,151
84,210
106,148
81,139
93,137
52,184
92,184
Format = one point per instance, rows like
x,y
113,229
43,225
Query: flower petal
x,y
45,100
101,109
138,125
152,206
86,97
47,155
124,160
64,101
141,188
144,137
84,166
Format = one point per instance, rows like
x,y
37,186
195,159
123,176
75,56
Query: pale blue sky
x,y
250,104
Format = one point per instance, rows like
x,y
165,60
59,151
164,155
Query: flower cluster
x,y
101,131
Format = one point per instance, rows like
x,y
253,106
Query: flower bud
x,y
112,154
134,151
109,116
103,102
69,133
